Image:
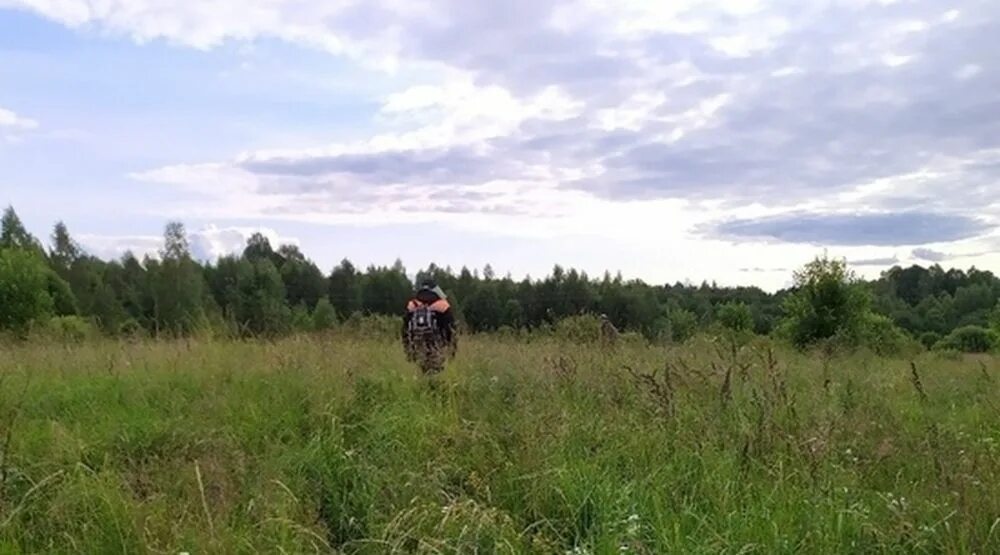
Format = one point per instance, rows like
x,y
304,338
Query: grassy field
x,y
337,445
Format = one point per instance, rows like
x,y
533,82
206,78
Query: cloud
x,y
556,117
207,243
13,121
211,242
930,255
879,229
884,261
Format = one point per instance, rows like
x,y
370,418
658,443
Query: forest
x,y
269,291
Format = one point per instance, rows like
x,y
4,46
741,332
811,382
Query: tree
x,y
385,290
65,251
994,318
735,316
175,242
63,301
683,324
13,235
324,317
265,308
482,310
252,296
970,339
132,288
304,282
513,314
345,289
178,285
24,296
259,247
828,301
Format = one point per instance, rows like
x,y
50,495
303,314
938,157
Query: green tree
x,y
24,295
735,316
513,314
178,285
13,234
994,318
65,251
259,247
482,310
252,296
304,283
324,317
828,301
63,301
970,339
385,290
345,289
683,324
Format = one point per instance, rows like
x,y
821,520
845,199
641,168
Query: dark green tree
x,y
735,316
178,286
828,301
24,296
345,289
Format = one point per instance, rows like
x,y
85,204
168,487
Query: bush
x,y
24,296
374,325
683,324
828,302
132,329
884,337
324,317
734,316
970,339
930,338
300,318
66,329
585,328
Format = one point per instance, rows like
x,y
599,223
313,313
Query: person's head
x,y
429,286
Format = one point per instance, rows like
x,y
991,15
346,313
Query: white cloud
x,y
207,243
968,71
10,120
633,120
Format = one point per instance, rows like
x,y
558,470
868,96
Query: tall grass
x,y
330,444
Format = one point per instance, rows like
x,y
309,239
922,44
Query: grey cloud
x,y
457,164
892,229
930,255
846,119
842,119
887,261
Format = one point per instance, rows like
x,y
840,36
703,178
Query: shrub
x,y
683,324
734,316
883,336
970,339
828,302
324,317
930,338
301,320
66,329
374,325
24,293
584,328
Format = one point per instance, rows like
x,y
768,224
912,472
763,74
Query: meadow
x,y
333,443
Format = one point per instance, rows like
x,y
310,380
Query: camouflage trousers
x,y
427,352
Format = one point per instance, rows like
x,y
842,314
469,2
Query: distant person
x,y
609,333
429,328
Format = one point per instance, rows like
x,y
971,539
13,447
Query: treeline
x,y
266,291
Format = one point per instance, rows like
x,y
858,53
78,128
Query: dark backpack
x,y
423,321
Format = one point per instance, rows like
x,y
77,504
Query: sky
x,y
719,140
